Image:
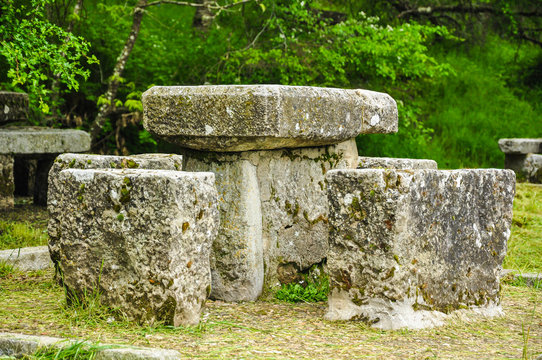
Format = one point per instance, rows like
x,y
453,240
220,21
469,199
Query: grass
x,y
273,330
79,350
525,244
15,235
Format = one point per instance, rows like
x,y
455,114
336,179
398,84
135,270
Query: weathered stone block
x,y
13,106
258,117
27,259
33,141
90,161
532,168
140,237
520,146
273,210
408,246
6,181
365,162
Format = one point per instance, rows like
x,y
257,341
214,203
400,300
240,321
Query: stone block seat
x,y
524,156
90,161
142,238
269,147
409,247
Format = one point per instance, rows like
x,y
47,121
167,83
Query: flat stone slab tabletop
x,y
262,117
33,140
521,146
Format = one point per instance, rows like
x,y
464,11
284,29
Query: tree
x,y
36,49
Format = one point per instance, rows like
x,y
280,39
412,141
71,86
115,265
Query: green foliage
x,y
15,235
314,287
6,269
37,50
79,350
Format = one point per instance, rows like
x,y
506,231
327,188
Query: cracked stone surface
x,y
273,211
409,246
365,162
90,161
141,237
259,117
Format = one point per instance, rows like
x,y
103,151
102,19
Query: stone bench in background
x,y
28,152
524,156
409,246
140,237
270,147
89,161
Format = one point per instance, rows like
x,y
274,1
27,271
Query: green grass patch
x,y
525,244
313,287
77,351
15,235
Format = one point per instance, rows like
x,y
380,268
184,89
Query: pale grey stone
x,y
365,162
258,117
6,182
13,106
28,259
19,345
273,211
90,161
408,246
140,237
34,141
521,146
532,168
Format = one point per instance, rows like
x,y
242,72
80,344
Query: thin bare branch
x,y
216,6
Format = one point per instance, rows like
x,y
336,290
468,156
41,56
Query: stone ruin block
x,y
273,211
260,117
365,162
532,168
140,237
408,247
43,145
518,156
13,107
6,182
90,161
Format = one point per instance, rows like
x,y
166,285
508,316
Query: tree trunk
x,y
204,15
55,86
114,82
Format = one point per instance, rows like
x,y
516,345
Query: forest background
x,y
464,73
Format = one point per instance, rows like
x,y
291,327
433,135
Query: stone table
x,y
269,147
524,156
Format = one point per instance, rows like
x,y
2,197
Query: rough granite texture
x,y
13,106
19,345
532,168
141,237
365,162
6,182
407,246
27,259
521,146
33,141
89,161
259,117
273,211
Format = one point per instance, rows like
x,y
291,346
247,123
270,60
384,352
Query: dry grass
x,y
33,304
